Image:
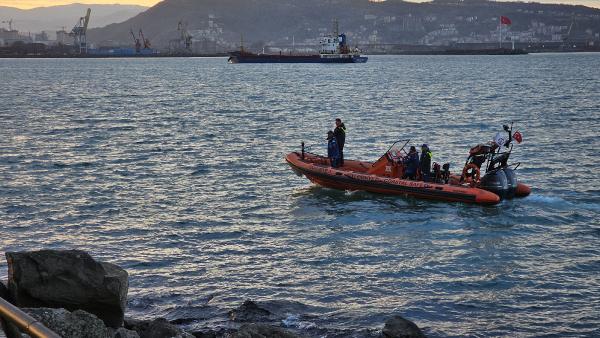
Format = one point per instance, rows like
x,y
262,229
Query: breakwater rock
x,y
77,324
68,279
398,327
157,328
75,296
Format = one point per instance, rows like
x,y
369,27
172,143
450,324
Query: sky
x,y
42,3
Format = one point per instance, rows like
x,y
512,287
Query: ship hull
x,y
255,58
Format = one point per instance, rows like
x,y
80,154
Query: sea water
x,y
174,169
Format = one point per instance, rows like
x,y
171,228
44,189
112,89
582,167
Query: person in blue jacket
x,y
333,151
411,162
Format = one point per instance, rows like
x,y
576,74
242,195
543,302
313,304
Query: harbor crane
x,y
138,44
145,41
79,32
186,38
567,37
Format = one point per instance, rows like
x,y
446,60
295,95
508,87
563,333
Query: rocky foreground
x,y
77,296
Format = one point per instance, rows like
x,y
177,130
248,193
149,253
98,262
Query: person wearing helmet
x,y
425,162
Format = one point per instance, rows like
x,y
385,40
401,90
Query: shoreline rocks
x,y
157,328
249,311
76,296
398,327
71,324
68,279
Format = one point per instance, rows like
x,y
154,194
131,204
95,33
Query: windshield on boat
x,y
396,152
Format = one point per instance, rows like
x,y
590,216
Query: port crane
x,y
79,32
145,41
138,44
186,38
567,37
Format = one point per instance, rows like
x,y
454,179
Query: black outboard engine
x,y
511,178
496,182
500,177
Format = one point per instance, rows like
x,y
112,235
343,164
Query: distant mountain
x,y
278,22
55,17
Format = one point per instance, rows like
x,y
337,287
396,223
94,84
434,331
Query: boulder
x,y
214,333
263,331
398,327
3,291
158,328
124,333
68,279
249,311
70,324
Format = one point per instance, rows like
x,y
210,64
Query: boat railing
x,y
25,322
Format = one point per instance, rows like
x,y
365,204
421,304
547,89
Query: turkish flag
x,y
518,137
505,21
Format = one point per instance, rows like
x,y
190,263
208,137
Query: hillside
x,y
220,23
55,17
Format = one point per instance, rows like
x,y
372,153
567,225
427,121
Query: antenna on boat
x,y
336,28
241,42
336,35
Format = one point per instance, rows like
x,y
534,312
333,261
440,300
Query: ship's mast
x,y
336,34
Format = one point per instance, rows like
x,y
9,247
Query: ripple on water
x,y
182,181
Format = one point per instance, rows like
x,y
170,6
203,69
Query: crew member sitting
x,y
411,161
333,151
425,163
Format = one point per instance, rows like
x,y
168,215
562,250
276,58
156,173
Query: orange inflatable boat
x,y
384,176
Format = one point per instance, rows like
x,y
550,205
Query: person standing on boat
x,y
425,162
333,151
340,136
411,162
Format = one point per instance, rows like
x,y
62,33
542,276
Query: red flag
x,y
505,21
518,137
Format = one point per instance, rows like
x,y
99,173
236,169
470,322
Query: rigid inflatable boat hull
x,y
318,171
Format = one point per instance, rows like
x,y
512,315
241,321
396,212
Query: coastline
x,y
73,295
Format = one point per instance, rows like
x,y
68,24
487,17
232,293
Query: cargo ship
x,y
333,49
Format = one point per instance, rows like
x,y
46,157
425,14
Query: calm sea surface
x,y
173,169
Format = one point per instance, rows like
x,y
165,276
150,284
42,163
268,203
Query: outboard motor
x,y
496,182
511,178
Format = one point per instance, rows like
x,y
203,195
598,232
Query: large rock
x,y
70,324
158,328
124,333
3,291
68,279
398,327
249,311
77,324
263,331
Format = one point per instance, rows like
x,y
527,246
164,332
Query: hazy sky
x,y
40,3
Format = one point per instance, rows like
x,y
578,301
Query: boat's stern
x,y
359,59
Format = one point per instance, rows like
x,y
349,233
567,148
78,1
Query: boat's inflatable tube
x,y
355,176
522,190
